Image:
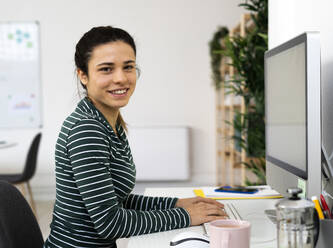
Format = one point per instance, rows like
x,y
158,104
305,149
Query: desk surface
x,y
252,207
7,144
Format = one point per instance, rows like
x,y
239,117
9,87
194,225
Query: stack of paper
x,y
263,193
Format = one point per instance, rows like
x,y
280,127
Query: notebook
x,y
265,192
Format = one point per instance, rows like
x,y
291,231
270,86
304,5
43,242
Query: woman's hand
x,y
202,210
185,202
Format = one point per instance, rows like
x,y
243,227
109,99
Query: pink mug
x,y
229,234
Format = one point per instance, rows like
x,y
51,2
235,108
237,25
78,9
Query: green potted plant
x,y
216,57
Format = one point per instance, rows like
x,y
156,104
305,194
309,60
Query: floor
x,y
44,212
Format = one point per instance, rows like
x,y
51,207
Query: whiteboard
x,y
20,86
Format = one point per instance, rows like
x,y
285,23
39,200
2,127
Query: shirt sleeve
x,y
146,203
89,154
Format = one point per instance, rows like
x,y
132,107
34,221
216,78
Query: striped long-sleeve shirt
x,y
95,175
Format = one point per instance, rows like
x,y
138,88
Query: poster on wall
x,y
20,86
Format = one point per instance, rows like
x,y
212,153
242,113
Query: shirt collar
x,y
87,107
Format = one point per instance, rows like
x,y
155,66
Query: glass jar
x,y
297,222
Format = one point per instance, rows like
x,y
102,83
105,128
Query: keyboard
x,y
232,213
271,214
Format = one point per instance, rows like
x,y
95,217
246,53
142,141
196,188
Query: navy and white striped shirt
x,y
95,175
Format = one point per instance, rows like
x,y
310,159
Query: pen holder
x,y
325,239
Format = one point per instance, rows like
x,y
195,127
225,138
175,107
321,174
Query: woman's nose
x,y
119,76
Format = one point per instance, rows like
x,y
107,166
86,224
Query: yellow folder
x,y
199,192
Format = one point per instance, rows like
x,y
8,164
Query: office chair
x,y
28,171
18,225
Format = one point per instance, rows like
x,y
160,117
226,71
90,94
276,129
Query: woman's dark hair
x,y
95,37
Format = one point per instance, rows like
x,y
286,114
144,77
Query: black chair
x,y
28,171
18,225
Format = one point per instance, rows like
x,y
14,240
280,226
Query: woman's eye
x,y
129,67
105,69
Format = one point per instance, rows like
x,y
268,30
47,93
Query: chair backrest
x,y
18,225
31,160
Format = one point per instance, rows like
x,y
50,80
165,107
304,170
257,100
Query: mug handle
x,y
225,240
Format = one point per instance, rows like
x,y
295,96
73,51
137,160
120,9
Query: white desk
x,y
7,144
247,208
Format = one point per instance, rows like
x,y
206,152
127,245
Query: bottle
x,y
297,222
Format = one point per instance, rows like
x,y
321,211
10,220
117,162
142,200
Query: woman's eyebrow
x,y
106,63
129,62
111,63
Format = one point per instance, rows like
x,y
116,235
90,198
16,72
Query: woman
x,y
95,172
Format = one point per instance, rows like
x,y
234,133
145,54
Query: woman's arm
x,y
90,166
146,203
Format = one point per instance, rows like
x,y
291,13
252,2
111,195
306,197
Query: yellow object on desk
x,y
199,192
317,207
264,193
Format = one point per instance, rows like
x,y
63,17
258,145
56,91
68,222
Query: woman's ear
x,y
82,76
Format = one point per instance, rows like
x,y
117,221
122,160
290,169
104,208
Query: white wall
x,y
175,87
290,18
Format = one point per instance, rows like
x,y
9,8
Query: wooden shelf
x,y
229,159
246,22
235,106
233,152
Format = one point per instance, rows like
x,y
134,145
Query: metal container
x,y
297,222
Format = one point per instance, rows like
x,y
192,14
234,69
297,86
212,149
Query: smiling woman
x,y
111,78
95,171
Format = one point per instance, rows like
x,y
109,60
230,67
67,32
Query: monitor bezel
x,y
303,38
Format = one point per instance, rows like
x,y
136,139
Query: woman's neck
x,y
112,120
110,114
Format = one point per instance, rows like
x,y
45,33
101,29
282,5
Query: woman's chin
x,y
120,104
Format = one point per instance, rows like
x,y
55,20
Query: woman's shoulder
x,y
83,123
80,121
85,129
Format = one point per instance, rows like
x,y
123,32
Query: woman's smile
x,y
118,92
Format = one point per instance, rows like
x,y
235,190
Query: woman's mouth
x,y
118,92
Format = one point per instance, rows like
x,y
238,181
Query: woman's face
x,y
111,76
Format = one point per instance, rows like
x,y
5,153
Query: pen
x,y
317,207
325,207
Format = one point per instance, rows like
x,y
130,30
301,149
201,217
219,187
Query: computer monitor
x,y
293,114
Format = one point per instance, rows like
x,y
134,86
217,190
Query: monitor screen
x,y
286,109
293,115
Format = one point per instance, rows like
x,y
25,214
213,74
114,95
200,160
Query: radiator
x,y
160,153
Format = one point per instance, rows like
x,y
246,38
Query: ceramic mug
x,y
229,234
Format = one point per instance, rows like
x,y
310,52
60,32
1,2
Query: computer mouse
x,y
190,240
